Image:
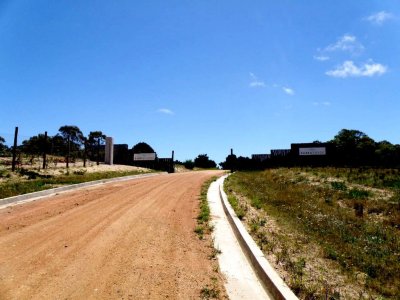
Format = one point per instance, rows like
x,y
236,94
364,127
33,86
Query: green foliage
x,y
359,194
340,186
189,164
256,202
209,292
36,144
239,210
357,244
203,161
203,217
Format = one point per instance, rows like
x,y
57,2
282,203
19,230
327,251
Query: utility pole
x,y
15,149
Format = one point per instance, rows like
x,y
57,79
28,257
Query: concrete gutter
x,y
266,273
5,202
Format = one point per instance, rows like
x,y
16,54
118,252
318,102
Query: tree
x,y
96,140
229,163
73,137
35,145
202,161
142,147
58,145
354,147
189,164
3,147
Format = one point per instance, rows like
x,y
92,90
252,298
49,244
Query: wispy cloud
x,y
255,82
348,43
321,57
288,91
379,18
165,111
324,103
349,69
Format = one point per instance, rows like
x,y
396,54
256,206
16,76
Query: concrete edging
x,y
266,273
49,192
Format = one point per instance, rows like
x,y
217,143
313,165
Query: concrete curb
x,y
268,276
49,192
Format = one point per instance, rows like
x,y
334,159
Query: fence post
x,y
172,168
15,149
44,150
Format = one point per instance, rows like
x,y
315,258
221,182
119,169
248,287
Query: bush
x,y
189,164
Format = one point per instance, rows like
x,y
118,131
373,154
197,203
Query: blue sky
x,y
201,76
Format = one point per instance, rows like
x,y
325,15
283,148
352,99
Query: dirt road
x,y
126,240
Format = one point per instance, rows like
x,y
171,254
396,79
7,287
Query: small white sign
x,y
144,156
312,151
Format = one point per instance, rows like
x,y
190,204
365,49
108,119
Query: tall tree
x,y
73,137
96,140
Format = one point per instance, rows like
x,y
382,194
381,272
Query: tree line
x,y
69,142
349,148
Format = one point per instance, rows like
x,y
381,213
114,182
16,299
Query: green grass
x,y
39,183
203,230
203,217
358,243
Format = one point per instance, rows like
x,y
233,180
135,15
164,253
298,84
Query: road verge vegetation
x,y
330,233
30,181
214,289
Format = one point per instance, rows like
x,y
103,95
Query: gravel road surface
x,y
125,240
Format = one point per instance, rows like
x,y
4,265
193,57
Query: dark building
x,y
121,154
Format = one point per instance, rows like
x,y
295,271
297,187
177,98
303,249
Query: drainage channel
x,y
247,272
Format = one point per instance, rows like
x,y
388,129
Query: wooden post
x,y
84,151
15,149
69,150
172,162
44,150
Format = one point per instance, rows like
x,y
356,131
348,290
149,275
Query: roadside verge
x,y
265,272
5,202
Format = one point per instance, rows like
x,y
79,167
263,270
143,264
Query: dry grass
x,y
330,234
31,178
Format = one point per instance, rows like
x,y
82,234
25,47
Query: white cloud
x,y
255,82
349,69
379,18
165,111
288,91
321,57
348,43
324,103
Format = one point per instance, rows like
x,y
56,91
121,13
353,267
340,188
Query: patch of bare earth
x,y
125,240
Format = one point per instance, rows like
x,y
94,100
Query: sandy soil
x,y
126,240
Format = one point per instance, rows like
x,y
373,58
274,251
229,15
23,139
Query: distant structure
x,y
109,151
260,157
313,154
121,154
